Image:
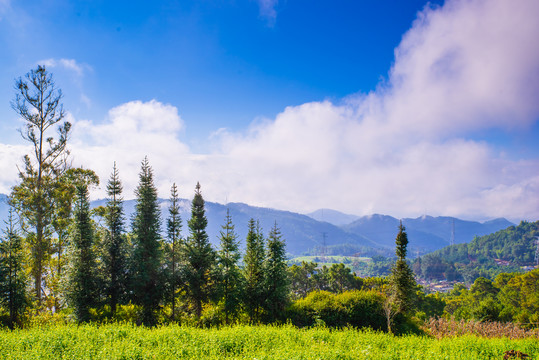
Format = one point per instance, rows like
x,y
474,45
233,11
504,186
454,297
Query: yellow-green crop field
x,y
124,341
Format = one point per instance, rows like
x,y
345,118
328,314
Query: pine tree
x,y
114,245
174,245
230,274
199,256
38,104
13,296
254,271
401,281
147,255
275,276
82,292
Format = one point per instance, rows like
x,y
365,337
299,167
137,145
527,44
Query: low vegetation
x,y
124,341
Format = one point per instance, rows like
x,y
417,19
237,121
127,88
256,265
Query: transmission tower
x,y
324,236
452,239
537,250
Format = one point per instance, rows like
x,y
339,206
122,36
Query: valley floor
x,y
124,341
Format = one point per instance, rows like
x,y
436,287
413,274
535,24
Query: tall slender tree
x,y
254,271
13,295
275,276
402,284
174,245
38,103
65,195
231,279
115,244
199,256
147,253
82,291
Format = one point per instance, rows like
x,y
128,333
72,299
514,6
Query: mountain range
x,y
306,234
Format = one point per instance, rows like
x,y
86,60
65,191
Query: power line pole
x,y
452,239
324,236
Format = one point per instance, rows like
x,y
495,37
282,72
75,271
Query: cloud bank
x,y
409,148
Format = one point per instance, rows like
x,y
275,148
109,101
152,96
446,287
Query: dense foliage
x,y
511,297
486,256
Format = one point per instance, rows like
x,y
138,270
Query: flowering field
x,y
124,341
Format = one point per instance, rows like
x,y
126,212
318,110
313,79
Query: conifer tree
x,y
13,295
199,257
275,276
229,271
114,244
174,227
38,104
254,271
146,275
82,291
401,281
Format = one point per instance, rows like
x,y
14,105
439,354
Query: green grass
x,y
243,342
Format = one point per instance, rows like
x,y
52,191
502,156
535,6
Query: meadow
x,y
126,341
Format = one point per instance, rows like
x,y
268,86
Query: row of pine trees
x,y
107,266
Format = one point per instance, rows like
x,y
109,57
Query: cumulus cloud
x,y
131,132
466,66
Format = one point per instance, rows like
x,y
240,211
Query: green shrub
x,y
351,308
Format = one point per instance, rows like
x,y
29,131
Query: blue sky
x,y
395,107
221,63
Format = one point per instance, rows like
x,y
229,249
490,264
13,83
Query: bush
x,y
351,308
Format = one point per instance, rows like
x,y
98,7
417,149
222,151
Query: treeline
x,y
510,297
95,268
486,256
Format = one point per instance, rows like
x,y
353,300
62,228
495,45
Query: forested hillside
x,y
503,251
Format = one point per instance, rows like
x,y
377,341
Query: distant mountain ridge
x,y
305,233
425,233
333,217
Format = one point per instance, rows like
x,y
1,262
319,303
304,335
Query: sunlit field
x,y
124,341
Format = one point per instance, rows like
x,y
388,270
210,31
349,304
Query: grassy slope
x,y
243,342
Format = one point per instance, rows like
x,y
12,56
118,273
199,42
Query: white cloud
x,y
132,131
10,155
467,66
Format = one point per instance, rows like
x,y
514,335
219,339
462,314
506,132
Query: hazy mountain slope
x,y
301,232
382,230
333,217
425,233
